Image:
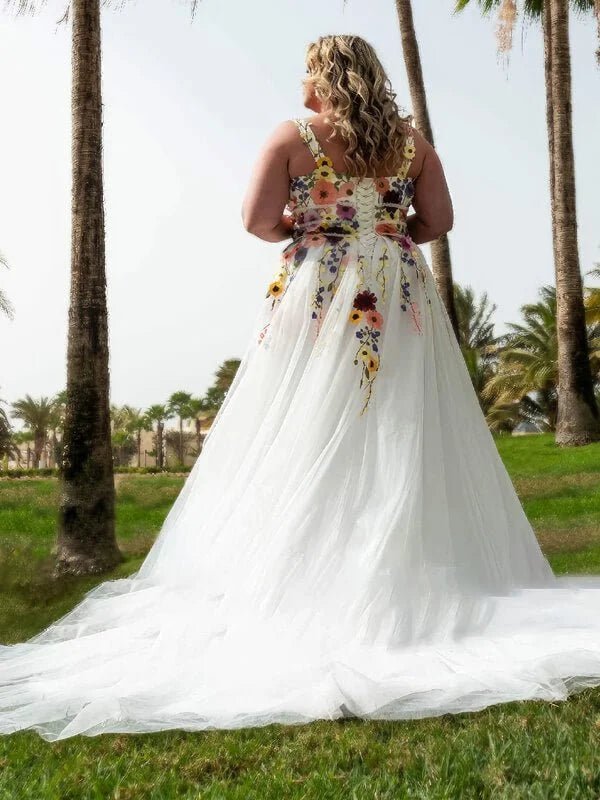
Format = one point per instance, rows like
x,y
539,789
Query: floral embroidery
x,y
367,356
331,266
324,206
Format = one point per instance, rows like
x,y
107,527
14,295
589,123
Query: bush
x,y
47,472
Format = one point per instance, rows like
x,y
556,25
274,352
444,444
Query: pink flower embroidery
x,y
323,192
374,319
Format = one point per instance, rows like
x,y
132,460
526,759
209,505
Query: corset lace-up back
x,y
335,204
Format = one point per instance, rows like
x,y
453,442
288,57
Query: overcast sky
x,y
186,108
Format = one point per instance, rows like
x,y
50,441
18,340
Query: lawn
x,y
517,750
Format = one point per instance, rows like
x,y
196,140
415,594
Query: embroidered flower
x,y
346,189
406,242
392,197
355,316
276,288
324,161
370,360
374,319
323,192
325,172
409,149
345,211
382,185
386,229
310,219
365,301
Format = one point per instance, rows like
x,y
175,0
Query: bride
x,y
349,542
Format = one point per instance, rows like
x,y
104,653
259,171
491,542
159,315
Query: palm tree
x,y
178,405
592,299
38,417
440,249
59,404
7,444
475,325
5,304
226,373
578,420
527,372
199,409
86,536
159,414
476,338
121,439
137,422
20,438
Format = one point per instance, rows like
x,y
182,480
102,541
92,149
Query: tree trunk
x,y
181,440
578,422
38,449
159,445
86,540
139,448
198,435
441,261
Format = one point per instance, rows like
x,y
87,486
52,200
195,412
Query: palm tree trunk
x,y
441,261
159,445
198,424
578,421
86,540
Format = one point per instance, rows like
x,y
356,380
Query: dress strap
x,y
309,138
408,151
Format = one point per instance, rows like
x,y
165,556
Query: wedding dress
x,y
348,543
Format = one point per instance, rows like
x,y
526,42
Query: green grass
x,y
536,750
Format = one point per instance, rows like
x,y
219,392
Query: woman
x,y
348,542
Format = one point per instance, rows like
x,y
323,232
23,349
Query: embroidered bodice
x,y
330,204
342,223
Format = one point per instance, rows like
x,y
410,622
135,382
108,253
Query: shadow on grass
x,y
32,596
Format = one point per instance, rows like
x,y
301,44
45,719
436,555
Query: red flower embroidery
x,y
365,301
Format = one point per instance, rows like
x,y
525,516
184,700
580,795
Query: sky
x,y
187,106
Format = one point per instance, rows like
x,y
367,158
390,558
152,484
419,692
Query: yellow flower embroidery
x,y
324,162
409,149
355,316
324,172
370,360
276,288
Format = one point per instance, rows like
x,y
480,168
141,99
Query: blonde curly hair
x,y
350,81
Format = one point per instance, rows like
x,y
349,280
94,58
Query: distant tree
x,y
123,443
178,405
5,304
137,422
527,373
37,416
158,414
7,442
476,337
199,411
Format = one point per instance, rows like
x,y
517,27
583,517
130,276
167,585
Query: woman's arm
x,y
433,215
268,191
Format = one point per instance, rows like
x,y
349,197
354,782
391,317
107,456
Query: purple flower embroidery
x,y
344,211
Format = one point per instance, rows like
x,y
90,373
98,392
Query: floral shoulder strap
x,y
309,138
408,152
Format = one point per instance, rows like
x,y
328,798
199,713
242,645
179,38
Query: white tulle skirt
x,y
347,544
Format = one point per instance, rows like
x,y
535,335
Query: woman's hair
x,y
349,79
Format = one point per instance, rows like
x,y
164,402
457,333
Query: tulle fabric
x,y
321,562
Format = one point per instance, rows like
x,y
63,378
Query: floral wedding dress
x,y
347,544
